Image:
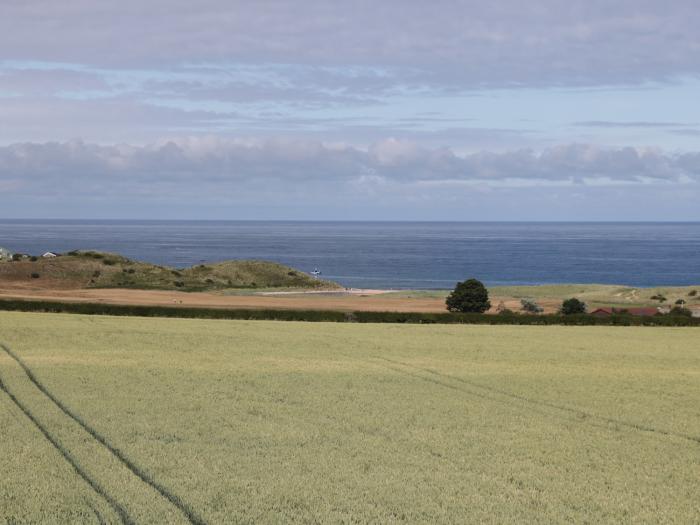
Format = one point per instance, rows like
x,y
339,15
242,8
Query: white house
x,y
49,255
5,255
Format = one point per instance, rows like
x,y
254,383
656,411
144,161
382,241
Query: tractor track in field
x,y
56,444
100,518
489,393
146,478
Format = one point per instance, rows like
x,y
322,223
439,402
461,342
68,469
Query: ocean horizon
x,y
394,254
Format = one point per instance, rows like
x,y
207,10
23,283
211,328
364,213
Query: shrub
x,y
96,273
34,258
530,306
131,270
679,310
680,302
179,284
506,311
573,306
469,296
16,256
35,275
692,293
109,262
658,297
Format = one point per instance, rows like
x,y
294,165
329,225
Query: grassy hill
x,y
90,269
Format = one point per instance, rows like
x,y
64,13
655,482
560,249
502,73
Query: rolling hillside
x,y
90,269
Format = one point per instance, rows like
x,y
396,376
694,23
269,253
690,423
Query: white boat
x,y
316,272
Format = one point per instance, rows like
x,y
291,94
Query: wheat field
x,y
130,420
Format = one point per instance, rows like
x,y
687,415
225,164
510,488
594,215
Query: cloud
x,y
121,109
27,81
636,124
479,97
283,178
112,118
136,71
451,44
686,132
303,86
215,166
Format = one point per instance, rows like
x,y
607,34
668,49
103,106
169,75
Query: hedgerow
x,y
334,316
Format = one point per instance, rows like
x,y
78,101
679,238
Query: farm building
x,y
48,255
642,311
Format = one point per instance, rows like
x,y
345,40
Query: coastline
x,y
409,256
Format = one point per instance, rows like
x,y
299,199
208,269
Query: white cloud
x,y
214,166
214,177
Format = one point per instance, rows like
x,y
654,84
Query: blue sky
x,y
380,110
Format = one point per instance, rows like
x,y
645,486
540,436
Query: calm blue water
x,y
396,255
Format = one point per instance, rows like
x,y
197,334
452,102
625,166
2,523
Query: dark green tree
x,y
573,306
679,310
469,296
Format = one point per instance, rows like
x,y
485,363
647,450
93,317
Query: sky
x,y
547,110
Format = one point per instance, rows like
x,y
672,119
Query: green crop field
x,y
130,420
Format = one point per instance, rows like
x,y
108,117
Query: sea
x,y
395,255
